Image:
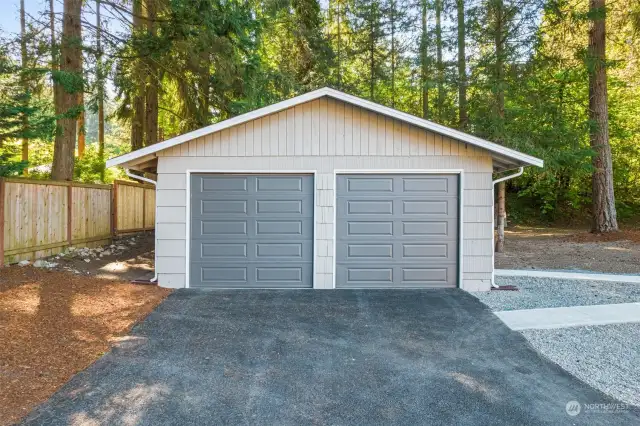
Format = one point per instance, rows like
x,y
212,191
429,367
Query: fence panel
x,y
90,213
35,218
135,207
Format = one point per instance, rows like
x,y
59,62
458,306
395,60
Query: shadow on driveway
x,y
324,357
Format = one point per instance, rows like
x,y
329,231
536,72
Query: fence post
x,y
2,188
69,213
111,229
144,208
115,208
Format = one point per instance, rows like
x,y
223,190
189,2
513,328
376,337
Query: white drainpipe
x,y
155,245
493,225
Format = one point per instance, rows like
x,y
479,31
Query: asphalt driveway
x,y
325,357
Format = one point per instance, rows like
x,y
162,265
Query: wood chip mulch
x,y
54,324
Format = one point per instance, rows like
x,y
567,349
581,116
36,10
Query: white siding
x,y
325,135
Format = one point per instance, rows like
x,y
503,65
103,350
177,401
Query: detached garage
x,y
325,190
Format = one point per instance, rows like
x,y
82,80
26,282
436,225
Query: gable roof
x,y
505,158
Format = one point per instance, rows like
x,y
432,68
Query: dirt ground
x,y
134,262
56,322
571,249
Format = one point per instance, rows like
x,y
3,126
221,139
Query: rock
x,y
40,263
24,263
121,247
87,260
105,253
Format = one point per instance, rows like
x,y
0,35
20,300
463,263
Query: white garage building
x,y
325,190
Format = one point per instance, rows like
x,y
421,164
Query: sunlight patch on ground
x,y
24,300
617,248
126,408
473,385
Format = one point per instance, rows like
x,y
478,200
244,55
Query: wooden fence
x,y
42,218
134,207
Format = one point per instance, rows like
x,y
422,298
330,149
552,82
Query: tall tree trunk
x,y
424,62
604,206
463,117
499,40
137,101
439,63
151,127
80,129
393,53
100,78
25,85
52,28
339,46
372,49
70,53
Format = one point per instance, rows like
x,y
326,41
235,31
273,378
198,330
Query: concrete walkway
x,y
573,316
623,278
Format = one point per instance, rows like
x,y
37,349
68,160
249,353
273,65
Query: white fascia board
x,y
336,94
437,128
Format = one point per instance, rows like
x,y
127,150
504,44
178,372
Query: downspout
x,y
493,225
155,233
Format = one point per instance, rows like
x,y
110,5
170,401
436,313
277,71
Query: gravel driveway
x,y
607,356
556,293
342,357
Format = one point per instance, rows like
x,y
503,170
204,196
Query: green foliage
x,y
216,59
8,165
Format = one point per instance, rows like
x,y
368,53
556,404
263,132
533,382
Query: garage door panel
x,y
219,228
250,275
222,183
398,251
397,230
234,206
251,231
395,276
251,228
243,251
376,229
365,207
442,185
414,185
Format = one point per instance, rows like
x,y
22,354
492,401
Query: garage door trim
x,y
458,172
189,172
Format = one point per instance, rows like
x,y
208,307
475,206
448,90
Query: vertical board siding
x,y
324,135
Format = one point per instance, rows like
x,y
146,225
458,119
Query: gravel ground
x,y
554,293
606,357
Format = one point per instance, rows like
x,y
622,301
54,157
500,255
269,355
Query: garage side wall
x,y
324,135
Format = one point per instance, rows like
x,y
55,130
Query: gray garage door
x,y
397,231
251,231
